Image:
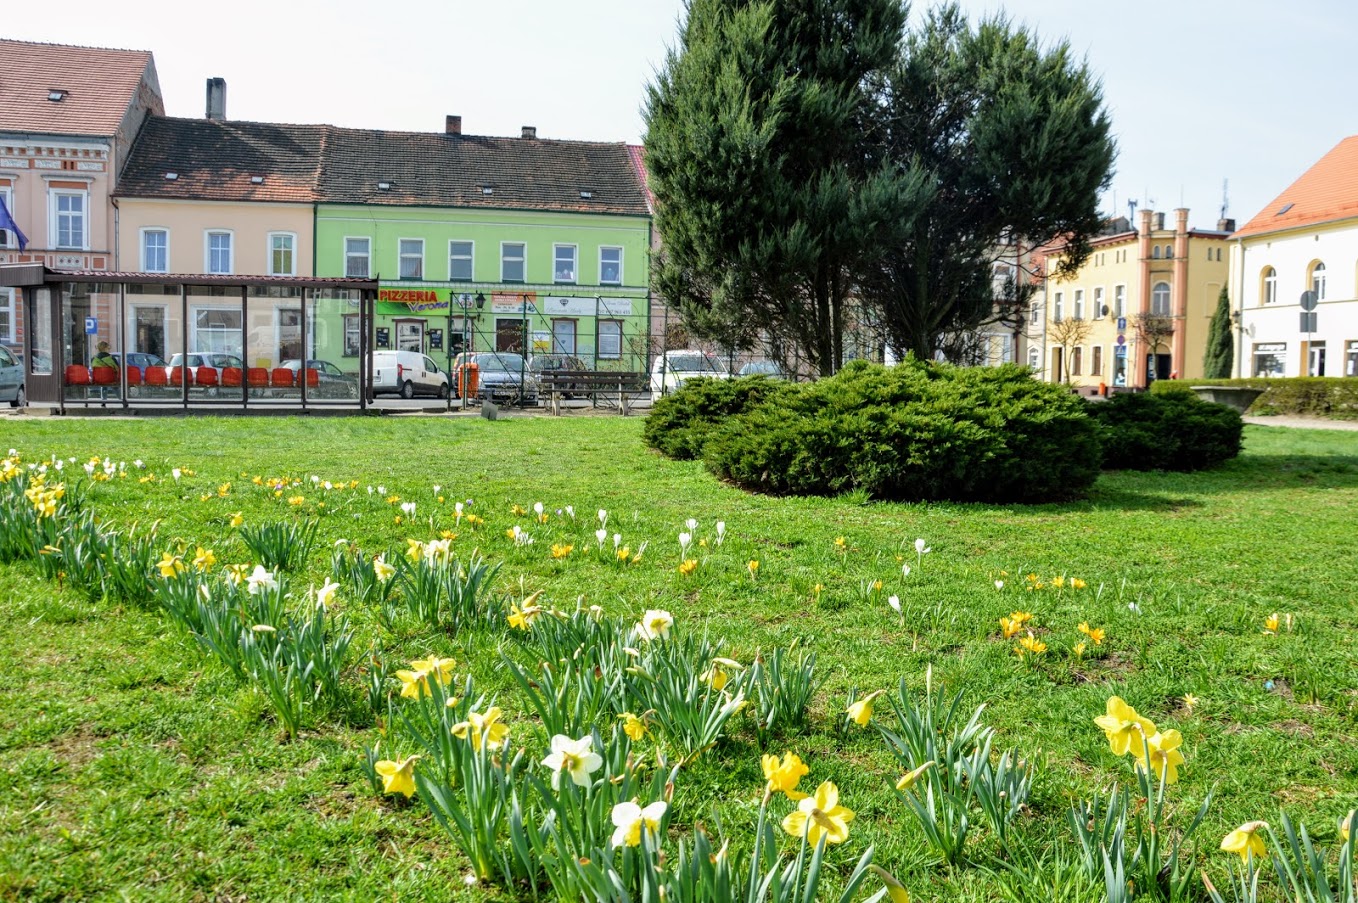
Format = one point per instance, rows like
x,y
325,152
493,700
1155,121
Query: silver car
x,y
11,379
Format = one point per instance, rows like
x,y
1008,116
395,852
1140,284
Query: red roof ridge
x,y
73,46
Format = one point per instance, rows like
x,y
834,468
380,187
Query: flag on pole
x,y
7,222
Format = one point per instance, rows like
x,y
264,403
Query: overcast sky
x,y
1200,91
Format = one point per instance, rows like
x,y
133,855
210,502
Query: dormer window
x,y
586,194
257,180
171,176
57,95
486,189
384,186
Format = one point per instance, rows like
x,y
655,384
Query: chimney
x,y
1225,225
452,125
1159,222
216,98
530,131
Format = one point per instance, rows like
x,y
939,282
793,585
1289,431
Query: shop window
x,y
563,337
610,339
1270,359
351,335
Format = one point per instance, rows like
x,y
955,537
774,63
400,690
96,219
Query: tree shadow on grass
x,y
1248,473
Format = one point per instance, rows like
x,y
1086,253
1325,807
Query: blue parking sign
x,y
91,325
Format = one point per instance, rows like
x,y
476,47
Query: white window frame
x,y
1270,286
230,250
367,256
522,260
1034,358
7,238
292,253
602,280
402,256
7,304
1166,309
574,276
1319,278
610,350
1119,301
237,348
54,195
146,264
573,333
470,257
1079,304
1058,307
1098,303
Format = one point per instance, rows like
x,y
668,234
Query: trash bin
x,y
468,375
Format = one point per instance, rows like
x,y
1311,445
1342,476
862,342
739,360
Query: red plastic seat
x,y
76,375
206,377
257,377
281,378
233,376
177,376
313,378
134,375
156,376
104,376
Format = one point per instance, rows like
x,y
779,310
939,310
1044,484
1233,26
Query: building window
x,y
513,261
1351,359
1270,359
1160,299
7,315
610,266
1035,314
1155,253
8,239
1119,301
217,329
610,339
1079,304
357,253
563,263
1058,308
219,258
563,337
1099,310
1034,358
1096,361
1077,360
155,251
351,335
1316,363
1318,280
68,220
1270,288
411,258
282,257
460,261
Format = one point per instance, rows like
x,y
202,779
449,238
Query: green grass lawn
x,y
134,766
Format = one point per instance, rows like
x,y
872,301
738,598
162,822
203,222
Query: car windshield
x,y
509,363
692,363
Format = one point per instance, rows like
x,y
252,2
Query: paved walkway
x,y
1303,423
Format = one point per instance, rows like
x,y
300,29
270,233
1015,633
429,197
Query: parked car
x,y
771,369
11,379
218,360
542,364
504,376
407,373
332,382
672,369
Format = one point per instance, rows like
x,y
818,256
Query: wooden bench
x,y
602,388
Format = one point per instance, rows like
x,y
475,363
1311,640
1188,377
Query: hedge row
x,y
1315,396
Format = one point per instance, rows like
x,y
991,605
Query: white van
x,y
407,374
672,369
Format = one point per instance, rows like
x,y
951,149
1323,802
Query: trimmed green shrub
x,y
680,423
1171,430
916,431
1312,396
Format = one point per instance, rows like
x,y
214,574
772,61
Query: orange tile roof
x,y
100,85
1326,192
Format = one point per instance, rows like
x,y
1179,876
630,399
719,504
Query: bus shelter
x,y
155,340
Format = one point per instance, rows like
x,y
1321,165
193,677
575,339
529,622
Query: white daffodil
x,y
575,758
261,580
326,594
654,624
629,820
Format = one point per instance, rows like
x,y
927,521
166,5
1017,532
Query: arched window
x,y
1160,299
1155,252
1318,280
1269,289
1169,252
1034,358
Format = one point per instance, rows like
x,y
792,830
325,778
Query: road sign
x,y
1309,300
1122,324
1122,340
91,325
1308,322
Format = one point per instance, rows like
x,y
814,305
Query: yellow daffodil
x,y
485,727
415,682
1246,841
633,726
782,776
1161,755
575,758
1347,824
655,624
397,777
629,820
716,675
523,618
895,890
860,712
414,550
908,780
560,550
1124,727
688,566
204,560
170,565
382,571
237,573
237,519
819,816
326,594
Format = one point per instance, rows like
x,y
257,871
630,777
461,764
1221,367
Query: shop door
x,y
1317,359
42,376
410,335
148,329
509,335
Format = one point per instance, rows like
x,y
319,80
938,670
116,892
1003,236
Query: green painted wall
x,y
437,301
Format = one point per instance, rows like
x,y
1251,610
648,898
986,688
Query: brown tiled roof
x,y
217,160
442,170
100,85
1326,192
638,154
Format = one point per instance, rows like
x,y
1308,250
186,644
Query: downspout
x,y
315,213
117,237
1240,310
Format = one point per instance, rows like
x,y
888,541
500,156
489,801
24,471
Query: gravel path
x,y
1303,423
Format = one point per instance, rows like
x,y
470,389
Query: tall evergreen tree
x,y
1219,358
767,201
1001,136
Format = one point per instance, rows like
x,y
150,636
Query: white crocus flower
x,y
721,532
692,524
895,603
175,473
684,540
921,548
601,534
603,518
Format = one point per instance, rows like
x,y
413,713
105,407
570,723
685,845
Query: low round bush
x,y
916,431
1170,431
680,423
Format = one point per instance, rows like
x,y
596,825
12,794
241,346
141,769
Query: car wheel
x,y
134,391
443,390
407,389
19,399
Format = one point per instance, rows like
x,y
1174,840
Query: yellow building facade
x,y
1139,308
